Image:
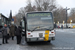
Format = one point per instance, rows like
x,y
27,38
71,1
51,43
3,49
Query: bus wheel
x,y
27,42
49,41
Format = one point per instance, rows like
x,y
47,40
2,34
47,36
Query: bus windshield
x,y
44,19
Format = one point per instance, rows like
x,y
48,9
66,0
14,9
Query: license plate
x,y
30,36
51,34
40,34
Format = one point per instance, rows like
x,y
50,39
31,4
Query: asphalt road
x,y
65,40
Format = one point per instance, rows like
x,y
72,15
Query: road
x,y
65,40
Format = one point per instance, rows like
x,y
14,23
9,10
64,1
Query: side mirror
x,y
21,23
24,18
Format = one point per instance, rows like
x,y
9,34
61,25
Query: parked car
x,y
70,26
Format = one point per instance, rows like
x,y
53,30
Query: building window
x,y
2,18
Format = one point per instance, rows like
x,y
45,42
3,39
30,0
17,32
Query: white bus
x,y
23,27
39,26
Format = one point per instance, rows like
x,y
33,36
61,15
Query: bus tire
x,y
49,41
27,42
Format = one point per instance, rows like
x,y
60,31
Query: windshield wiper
x,y
40,28
35,28
47,28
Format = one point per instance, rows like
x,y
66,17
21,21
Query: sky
x,y
66,3
15,5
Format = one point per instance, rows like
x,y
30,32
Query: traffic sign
x,y
12,19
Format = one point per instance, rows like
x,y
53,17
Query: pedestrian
x,y
9,26
18,34
62,26
8,31
58,27
15,29
1,31
12,31
55,26
4,34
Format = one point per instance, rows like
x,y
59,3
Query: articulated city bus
x,y
39,26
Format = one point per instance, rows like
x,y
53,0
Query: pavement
x,y
64,40
12,45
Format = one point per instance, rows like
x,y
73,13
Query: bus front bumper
x,y
39,39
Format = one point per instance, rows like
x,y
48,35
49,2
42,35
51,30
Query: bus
x,y
23,27
39,26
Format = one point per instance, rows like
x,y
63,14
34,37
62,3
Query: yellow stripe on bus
x,y
46,35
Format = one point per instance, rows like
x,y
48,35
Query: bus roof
x,y
38,12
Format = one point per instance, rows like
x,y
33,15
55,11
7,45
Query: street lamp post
x,y
66,15
70,22
63,23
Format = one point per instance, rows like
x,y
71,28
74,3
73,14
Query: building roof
x,y
3,16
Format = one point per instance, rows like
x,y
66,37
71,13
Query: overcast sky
x,y
66,3
15,5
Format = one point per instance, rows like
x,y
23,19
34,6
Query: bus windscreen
x,y
39,19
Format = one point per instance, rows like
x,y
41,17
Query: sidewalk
x,y
11,45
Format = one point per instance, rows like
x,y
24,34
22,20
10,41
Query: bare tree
x,y
22,11
45,5
34,8
28,8
72,13
39,5
19,17
59,15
